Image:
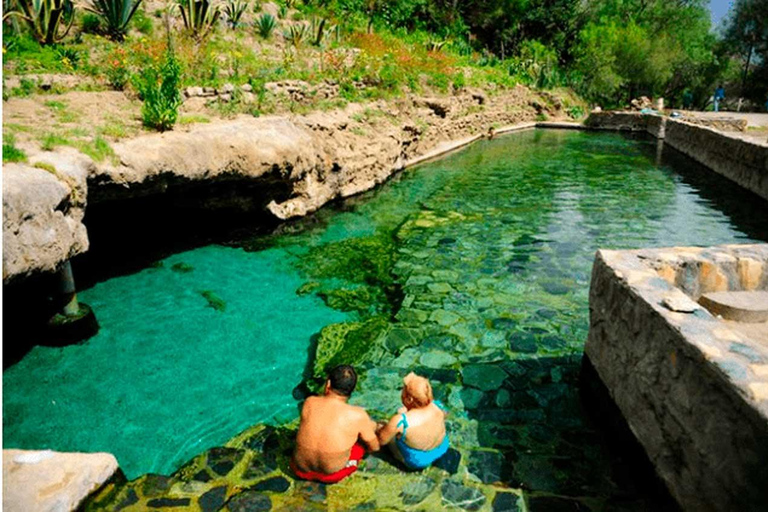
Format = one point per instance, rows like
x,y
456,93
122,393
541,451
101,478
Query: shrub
x,y
199,16
265,24
45,18
117,72
116,15
142,22
159,86
90,24
234,10
69,57
10,152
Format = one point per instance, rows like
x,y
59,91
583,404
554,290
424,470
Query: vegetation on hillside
x,y
609,51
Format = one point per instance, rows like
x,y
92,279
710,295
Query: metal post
x,y
67,290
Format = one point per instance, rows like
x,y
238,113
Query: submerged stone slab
x,y
689,384
742,306
41,481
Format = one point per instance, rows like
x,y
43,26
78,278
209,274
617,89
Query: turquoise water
x,y
488,251
168,375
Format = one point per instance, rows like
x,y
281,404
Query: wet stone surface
x,y
415,491
458,495
249,501
213,500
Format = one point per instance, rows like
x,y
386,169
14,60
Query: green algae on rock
x,y
182,268
214,300
348,343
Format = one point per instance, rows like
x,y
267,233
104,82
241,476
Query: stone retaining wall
x,y
693,391
739,160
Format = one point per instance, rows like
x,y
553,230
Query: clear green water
x,y
486,257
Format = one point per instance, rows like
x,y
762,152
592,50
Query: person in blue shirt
x,y
416,434
719,96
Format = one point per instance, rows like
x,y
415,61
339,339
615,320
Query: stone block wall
x,y
620,121
741,161
694,392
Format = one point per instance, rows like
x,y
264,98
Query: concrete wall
x,y
739,160
693,392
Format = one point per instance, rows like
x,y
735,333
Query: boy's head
x,y
342,380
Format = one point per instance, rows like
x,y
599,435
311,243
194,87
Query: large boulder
x,y
47,481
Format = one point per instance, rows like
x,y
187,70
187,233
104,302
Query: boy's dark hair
x,y
343,379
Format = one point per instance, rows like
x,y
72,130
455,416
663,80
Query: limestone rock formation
x,y
43,209
47,481
287,165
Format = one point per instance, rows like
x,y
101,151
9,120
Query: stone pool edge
x,y
693,392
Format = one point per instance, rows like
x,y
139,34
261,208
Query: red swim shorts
x,y
355,456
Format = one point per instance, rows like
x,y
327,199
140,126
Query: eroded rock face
x,y
298,162
42,481
42,214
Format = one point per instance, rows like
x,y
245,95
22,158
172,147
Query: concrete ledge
x,y
692,387
46,481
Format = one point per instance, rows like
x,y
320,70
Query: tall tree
x,y
747,36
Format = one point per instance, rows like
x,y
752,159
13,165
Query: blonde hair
x,y
418,389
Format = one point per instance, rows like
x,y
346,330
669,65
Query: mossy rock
x,y
365,300
347,343
182,268
214,300
368,260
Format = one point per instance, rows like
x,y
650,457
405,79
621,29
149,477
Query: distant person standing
x,y
719,96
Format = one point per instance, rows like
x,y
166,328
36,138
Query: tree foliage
x,y
747,38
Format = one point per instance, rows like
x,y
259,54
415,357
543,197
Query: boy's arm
x,y
368,433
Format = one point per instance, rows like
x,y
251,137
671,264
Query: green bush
x,y
90,23
265,24
116,15
10,152
142,22
159,87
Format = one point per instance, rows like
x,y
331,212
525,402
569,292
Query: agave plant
x,y
320,29
116,15
234,10
46,18
296,34
265,24
199,16
435,46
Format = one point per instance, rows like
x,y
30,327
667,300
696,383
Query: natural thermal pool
x,y
473,270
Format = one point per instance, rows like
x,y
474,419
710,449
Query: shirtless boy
x,y
328,445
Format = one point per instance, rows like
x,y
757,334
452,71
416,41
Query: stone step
x,y
750,307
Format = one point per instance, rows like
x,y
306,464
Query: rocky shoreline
x,y
299,162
